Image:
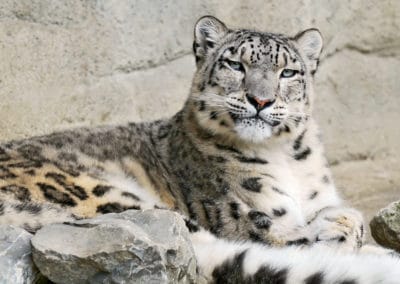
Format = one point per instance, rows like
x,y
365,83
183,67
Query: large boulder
x,y
152,246
385,226
16,265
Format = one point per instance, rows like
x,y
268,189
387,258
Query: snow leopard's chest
x,y
287,189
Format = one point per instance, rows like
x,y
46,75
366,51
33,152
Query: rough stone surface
x,y
16,265
72,63
385,226
132,247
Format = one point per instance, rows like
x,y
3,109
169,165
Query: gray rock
x,y
16,265
385,226
150,246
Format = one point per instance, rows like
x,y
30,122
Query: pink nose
x,y
261,102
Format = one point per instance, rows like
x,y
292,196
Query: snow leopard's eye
x,y
235,65
288,73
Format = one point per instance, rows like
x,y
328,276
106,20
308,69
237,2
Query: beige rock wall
x,y
70,63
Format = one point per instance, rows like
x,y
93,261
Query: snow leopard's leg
x,y
340,227
221,261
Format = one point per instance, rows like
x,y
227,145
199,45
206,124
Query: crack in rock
x,y
385,51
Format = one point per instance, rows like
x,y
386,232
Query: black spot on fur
x,y
298,242
223,123
202,105
77,191
227,148
277,190
313,195
163,131
256,237
5,173
316,278
351,281
287,129
235,210
217,159
325,179
70,157
130,195
71,169
231,271
192,226
31,152
303,154
244,159
267,274
217,225
2,208
3,155
31,208
100,190
252,184
114,207
202,86
20,193
191,210
297,143
267,175
26,164
30,172
210,44
208,207
279,212
260,219
56,196
213,115
59,178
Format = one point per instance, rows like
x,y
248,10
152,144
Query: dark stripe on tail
x,y
231,271
248,160
316,278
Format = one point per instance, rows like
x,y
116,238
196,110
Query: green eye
x,y
288,73
235,65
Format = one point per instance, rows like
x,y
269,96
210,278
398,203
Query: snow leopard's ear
x,y
310,44
207,32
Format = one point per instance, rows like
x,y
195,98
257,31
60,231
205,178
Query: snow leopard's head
x,y
252,85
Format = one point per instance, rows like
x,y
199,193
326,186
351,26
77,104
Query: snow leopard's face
x,y
250,84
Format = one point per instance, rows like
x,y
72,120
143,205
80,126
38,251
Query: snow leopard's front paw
x,y
339,227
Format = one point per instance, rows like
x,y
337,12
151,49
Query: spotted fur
x,y
242,160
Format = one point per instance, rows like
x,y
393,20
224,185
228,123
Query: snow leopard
x,y
242,162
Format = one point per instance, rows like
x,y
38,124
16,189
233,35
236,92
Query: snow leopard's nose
x,y
259,103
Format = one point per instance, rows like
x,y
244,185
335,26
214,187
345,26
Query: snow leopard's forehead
x,y
259,49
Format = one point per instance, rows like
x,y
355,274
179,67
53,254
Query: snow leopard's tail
x,y
221,261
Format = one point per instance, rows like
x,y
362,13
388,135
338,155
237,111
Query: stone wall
x,y
70,63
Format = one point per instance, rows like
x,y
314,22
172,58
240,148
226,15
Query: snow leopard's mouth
x,y
253,120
